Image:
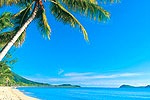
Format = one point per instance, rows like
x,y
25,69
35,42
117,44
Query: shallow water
x,y
61,93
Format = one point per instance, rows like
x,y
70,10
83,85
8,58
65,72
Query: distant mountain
x,y
68,85
148,86
126,86
22,81
129,86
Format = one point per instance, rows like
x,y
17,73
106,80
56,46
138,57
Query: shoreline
x,y
10,93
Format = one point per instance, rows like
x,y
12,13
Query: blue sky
x,y
118,53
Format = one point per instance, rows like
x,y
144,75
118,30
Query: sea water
x,y
84,93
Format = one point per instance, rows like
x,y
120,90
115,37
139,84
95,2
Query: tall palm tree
x,y
61,9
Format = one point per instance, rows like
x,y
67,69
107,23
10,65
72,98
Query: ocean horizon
x,y
86,93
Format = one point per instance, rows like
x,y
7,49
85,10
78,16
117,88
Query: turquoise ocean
x,y
85,93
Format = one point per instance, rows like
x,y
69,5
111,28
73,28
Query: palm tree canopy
x,y
60,9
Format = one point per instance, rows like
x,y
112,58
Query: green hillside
x,y
25,82
20,81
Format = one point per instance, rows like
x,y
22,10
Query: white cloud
x,y
116,75
77,74
130,74
90,76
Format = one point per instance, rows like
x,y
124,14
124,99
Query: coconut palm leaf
x,y
21,39
42,23
22,3
25,3
86,7
8,2
5,21
61,14
21,18
5,37
23,10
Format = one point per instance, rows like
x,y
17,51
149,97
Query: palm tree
x,y
34,10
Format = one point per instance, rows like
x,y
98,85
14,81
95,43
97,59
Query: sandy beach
x,y
8,93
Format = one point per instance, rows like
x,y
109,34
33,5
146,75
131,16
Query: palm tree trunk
x,y
14,39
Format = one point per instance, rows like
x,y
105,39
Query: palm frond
x,y
18,13
21,39
89,8
20,19
22,3
25,3
61,14
5,37
42,23
5,21
9,2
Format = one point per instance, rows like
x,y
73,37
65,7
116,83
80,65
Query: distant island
x,y
65,85
129,86
19,81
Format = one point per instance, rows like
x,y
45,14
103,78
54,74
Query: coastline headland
x,y
130,86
